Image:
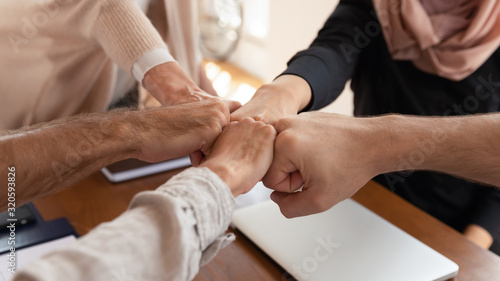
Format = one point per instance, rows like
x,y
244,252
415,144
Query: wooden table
x,y
95,200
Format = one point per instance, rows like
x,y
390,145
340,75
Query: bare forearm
x,y
285,96
462,146
52,156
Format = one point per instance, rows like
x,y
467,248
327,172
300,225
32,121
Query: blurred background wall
x,y
274,30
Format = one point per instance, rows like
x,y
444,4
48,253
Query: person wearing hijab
x,y
415,57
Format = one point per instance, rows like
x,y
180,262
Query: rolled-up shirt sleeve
x,y
166,234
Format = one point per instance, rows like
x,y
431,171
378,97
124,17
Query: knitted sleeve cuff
x,y
149,60
125,33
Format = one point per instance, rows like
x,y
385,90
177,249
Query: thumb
x,y
233,105
196,158
283,175
298,204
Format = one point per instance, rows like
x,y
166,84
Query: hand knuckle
x,y
215,126
259,117
288,140
320,204
286,212
267,181
247,120
220,104
220,116
283,124
269,131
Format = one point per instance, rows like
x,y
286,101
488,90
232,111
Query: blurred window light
x,y
243,93
222,84
256,18
212,70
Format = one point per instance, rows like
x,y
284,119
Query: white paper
x,y
29,254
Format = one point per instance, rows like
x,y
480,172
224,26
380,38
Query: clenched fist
x,y
328,155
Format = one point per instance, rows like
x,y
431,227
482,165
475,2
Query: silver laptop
x,y
348,242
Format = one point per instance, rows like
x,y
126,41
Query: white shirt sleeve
x,y
166,234
149,60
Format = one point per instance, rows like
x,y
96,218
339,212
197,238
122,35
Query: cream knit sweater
x,y
57,55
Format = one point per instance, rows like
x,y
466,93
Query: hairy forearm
x,y
51,156
467,147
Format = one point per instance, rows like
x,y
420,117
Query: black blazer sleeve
x,y
330,60
486,209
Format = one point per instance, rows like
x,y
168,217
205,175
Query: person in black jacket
x,y
433,81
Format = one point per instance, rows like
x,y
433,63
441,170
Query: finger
x,y
237,116
196,158
284,124
226,110
233,105
296,181
290,182
298,204
206,150
282,176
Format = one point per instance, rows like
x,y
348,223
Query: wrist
x,y
124,133
295,89
159,73
285,95
166,81
411,143
376,144
224,172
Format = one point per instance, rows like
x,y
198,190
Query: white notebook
x,y
26,255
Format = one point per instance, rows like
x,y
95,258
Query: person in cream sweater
x,y
63,57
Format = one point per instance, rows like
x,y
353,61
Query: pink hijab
x,y
448,38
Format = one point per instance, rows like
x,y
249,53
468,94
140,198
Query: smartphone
x,y
23,214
